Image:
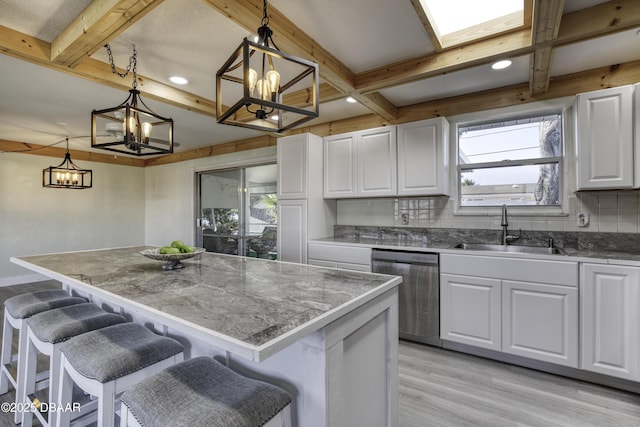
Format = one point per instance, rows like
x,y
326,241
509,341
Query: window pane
x,y
511,140
512,185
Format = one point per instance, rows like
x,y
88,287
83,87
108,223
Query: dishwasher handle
x,y
405,257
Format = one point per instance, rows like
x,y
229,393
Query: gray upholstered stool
x,y
46,333
204,393
106,362
16,310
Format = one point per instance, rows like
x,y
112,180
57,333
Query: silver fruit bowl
x,y
173,261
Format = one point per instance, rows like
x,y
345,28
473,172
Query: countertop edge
x,y
609,258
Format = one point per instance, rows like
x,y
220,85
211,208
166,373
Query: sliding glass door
x,y
238,211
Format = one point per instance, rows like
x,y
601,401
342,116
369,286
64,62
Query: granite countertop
x,y
423,245
249,300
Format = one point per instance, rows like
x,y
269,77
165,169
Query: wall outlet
x,y
582,219
405,219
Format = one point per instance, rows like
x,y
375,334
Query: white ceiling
x,y
192,39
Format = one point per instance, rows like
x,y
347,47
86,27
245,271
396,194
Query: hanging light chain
x,y
133,62
265,17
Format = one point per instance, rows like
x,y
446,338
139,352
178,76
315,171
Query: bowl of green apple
x,y
172,254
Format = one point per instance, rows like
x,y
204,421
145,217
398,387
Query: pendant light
x,y
131,127
258,76
67,175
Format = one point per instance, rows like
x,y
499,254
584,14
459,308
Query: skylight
x,y
458,21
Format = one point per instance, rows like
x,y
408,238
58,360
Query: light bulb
x,y
273,77
264,92
146,131
253,78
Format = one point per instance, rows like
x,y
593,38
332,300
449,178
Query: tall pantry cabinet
x,y
303,213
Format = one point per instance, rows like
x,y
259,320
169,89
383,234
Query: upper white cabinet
x,y
360,164
299,166
604,139
423,158
407,160
610,303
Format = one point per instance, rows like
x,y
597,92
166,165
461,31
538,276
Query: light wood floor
x,y
441,388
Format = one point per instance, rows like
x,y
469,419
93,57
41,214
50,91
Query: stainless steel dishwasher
x,y
419,292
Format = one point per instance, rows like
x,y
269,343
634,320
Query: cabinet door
x,y
292,231
423,158
376,162
292,167
540,322
339,166
604,143
470,311
609,317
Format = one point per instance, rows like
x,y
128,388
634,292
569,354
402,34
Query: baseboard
x,y
18,280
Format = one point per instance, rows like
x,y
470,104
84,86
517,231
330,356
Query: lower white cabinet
x,y
540,322
470,310
292,230
610,306
340,256
485,303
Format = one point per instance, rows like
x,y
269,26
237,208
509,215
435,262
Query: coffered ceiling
x,y
55,69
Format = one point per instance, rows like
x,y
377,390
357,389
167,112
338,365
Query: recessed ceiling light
x,y
178,80
351,99
501,64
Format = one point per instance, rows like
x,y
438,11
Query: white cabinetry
x,y
302,211
470,310
423,158
360,164
540,321
604,139
486,303
340,256
379,163
610,306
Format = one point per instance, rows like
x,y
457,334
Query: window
x,y
238,211
513,162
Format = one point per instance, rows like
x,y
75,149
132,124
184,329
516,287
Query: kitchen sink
x,y
509,248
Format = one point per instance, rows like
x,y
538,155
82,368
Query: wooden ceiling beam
x,y
599,20
99,23
512,44
606,18
547,15
43,150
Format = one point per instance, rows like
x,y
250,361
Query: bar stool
x,y
16,310
201,392
108,361
46,333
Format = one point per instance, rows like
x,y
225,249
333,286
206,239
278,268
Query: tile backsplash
x,y
607,211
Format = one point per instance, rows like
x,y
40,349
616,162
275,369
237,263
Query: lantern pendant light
x,y
131,127
261,78
67,175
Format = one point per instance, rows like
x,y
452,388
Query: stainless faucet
x,y
506,238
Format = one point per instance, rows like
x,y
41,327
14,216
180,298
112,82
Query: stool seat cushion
x,y
116,351
60,324
203,392
26,305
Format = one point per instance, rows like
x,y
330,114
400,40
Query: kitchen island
x,y
327,336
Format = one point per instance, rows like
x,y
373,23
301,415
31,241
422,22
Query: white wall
x,y
35,220
170,193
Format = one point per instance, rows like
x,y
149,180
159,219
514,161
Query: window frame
x,y
522,210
